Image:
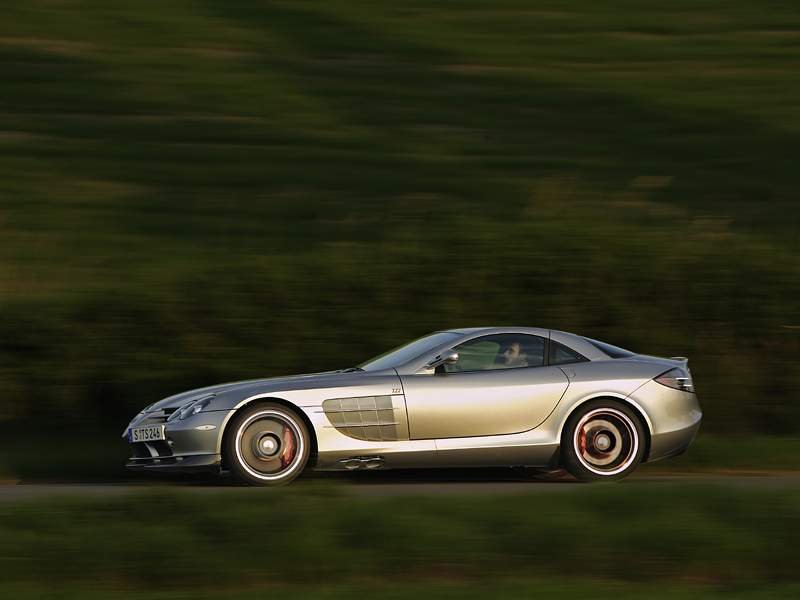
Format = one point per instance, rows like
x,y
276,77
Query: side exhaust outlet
x,y
362,462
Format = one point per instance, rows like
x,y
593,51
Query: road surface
x,y
396,483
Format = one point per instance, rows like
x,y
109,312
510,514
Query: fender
x,y
595,396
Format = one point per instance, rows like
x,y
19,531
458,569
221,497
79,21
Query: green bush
x,y
723,535
200,193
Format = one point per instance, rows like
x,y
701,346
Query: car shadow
x,y
379,477
359,478
453,475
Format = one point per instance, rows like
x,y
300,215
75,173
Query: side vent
x,y
371,418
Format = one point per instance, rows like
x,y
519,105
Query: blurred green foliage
x,y
731,536
524,590
193,192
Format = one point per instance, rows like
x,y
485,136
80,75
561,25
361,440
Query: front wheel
x,y
268,445
603,440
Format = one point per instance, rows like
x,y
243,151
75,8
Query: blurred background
x,y
202,191
195,192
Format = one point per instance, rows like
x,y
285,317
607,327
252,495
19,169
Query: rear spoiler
x,y
684,360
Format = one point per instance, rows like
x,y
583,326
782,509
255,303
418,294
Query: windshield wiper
x,y
351,370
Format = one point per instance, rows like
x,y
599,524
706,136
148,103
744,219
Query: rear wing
x,y
685,362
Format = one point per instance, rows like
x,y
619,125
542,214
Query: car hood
x,y
253,386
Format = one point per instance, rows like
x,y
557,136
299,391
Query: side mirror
x,y
448,357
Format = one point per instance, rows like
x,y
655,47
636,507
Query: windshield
x,y
407,352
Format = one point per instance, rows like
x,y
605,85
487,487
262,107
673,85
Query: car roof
x,y
495,328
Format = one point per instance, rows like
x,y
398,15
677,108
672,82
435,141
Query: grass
x,y
659,540
525,589
711,453
636,534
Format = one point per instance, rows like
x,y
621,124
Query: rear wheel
x,y
268,444
603,440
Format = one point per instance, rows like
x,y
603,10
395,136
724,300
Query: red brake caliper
x,y
582,441
288,447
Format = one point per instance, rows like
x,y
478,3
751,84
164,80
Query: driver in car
x,y
513,356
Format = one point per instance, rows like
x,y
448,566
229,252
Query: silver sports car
x,y
489,396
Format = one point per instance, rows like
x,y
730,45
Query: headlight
x,y
192,408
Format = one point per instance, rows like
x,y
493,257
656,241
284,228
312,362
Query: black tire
x,y
604,440
266,444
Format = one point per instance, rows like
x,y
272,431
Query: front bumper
x,y
195,462
191,445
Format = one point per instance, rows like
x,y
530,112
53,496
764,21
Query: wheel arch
x,y
637,410
312,455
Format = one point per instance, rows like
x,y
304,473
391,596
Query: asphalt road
x,y
397,483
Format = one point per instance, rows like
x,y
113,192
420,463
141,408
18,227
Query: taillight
x,y
677,379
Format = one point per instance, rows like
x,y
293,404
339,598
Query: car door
x,y
499,385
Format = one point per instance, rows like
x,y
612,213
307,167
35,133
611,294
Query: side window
x,y
502,351
561,355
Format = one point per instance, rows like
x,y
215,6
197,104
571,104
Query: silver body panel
x,y
478,403
411,416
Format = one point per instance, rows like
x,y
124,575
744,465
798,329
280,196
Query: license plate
x,y
148,433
